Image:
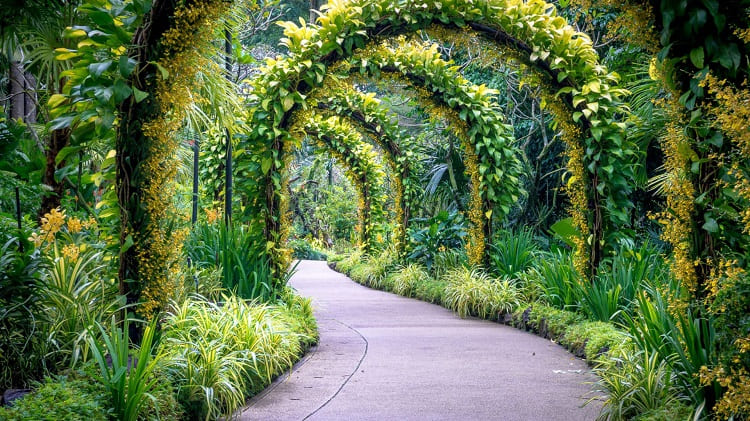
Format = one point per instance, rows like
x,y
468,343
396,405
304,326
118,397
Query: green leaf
x,y
121,90
287,103
265,165
96,69
162,70
711,225
65,152
127,244
139,94
696,57
126,65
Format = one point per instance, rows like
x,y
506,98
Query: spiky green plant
x,y
219,354
559,280
128,376
74,293
513,252
406,278
639,386
471,292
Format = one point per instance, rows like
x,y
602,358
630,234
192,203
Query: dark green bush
x,y
430,290
512,252
303,250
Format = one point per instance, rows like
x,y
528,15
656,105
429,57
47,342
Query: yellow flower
x,y
213,215
71,251
53,221
74,225
36,239
89,223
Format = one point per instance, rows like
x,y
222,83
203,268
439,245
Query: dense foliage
x,y
478,154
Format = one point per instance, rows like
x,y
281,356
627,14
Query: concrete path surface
x,y
386,357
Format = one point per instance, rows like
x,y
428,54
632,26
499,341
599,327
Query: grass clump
x,y
640,386
219,354
405,280
471,292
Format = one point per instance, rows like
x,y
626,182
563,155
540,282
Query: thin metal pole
x,y
228,162
18,218
196,150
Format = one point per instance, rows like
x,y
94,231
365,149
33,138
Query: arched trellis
x,y
529,27
366,111
489,139
344,142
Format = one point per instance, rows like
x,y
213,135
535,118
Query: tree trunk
x,y
53,197
29,115
17,88
132,150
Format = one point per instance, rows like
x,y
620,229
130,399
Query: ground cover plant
x,y
578,169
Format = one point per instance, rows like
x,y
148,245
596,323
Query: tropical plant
x,y
640,386
471,292
448,259
303,250
70,396
559,280
429,236
21,341
235,250
685,340
512,252
128,376
217,355
406,278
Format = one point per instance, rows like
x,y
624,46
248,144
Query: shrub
x,y
448,259
218,354
473,292
406,279
66,397
237,252
640,386
686,340
21,342
512,253
374,269
429,236
559,280
613,293
594,339
430,290
346,264
303,250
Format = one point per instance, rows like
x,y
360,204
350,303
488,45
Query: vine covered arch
x,y
344,142
367,113
499,158
532,28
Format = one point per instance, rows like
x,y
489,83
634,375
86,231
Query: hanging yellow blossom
x,y
71,251
74,225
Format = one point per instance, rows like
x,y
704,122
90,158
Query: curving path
x,y
386,357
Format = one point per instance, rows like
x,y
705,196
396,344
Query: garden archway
x,y
532,28
360,160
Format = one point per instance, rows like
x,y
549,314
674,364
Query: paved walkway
x,y
386,357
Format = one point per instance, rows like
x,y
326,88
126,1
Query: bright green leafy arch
x,y
530,27
345,143
488,137
383,129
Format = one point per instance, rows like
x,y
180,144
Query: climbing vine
x,y
362,168
530,27
383,130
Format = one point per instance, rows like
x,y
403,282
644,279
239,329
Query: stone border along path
x,y
385,357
